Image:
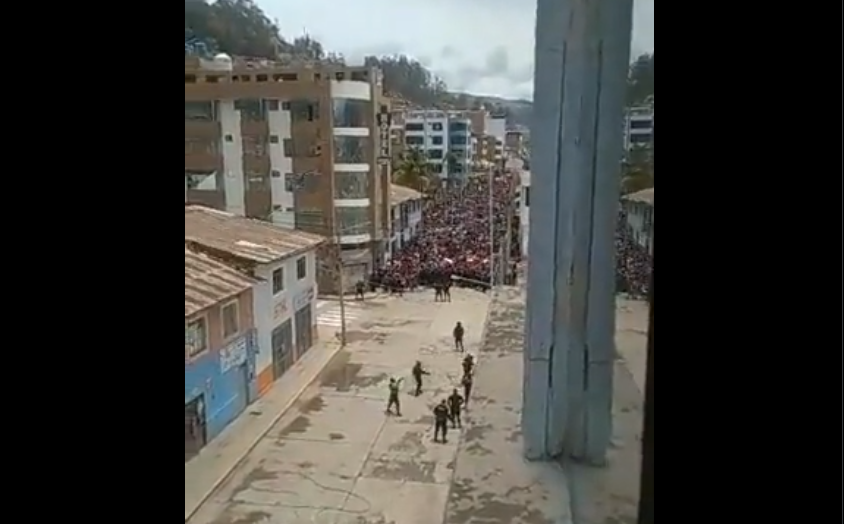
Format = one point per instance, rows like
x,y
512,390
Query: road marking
x,y
331,317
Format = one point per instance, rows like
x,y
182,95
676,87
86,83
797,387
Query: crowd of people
x,y
633,261
454,243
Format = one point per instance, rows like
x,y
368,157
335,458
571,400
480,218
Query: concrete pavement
x,y
336,458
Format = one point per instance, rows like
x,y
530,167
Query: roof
x,y
208,282
244,238
401,194
646,196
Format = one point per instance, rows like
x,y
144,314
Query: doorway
x,y
282,346
304,330
196,433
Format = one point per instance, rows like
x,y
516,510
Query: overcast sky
x,y
478,46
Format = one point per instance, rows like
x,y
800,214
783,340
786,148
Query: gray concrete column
x,y
582,53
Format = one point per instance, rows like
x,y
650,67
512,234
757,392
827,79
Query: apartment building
x,y
304,146
445,137
639,127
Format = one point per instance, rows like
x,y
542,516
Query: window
x,y
459,140
414,140
302,268
641,124
414,127
435,154
437,140
437,126
353,221
203,180
274,139
350,113
643,138
310,220
304,111
526,198
200,111
252,110
289,149
231,320
273,105
196,337
278,281
459,127
351,186
351,149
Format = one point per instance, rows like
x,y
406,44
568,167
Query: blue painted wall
x,y
227,378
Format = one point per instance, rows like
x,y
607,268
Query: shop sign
x,y
281,310
234,355
304,300
385,120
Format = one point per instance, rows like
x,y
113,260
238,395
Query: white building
x,y
443,136
496,126
405,218
639,127
639,210
284,261
524,210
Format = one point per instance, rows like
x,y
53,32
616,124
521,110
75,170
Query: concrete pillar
x,y
582,54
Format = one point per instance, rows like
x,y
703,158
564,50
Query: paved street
x,y
336,458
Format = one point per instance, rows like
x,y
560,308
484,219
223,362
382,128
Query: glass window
x,y
458,127
414,127
353,221
437,140
459,140
414,140
349,186
251,109
350,149
436,154
200,111
350,113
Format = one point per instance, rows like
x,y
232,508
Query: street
x,y
336,457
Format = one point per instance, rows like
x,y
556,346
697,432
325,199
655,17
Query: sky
x,y
482,47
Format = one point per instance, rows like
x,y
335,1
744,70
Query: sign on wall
x,y
385,121
234,355
304,300
281,310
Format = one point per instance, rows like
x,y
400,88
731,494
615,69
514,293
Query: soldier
x,y
467,389
360,291
441,422
395,387
459,333
418,373
468,365
455,407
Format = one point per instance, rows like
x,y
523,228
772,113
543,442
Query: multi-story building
x,y
300,146
406,218
639,127
445,138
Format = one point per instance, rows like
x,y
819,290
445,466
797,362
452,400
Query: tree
x,y
638,171
414,171
641,82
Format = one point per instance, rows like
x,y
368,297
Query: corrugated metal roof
x,y
401,194
646,196
244,238
208,282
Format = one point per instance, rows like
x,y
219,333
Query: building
x,y
299,146
445,137
639,127
220,348
524,211
284,263
639,211
515,142
405,218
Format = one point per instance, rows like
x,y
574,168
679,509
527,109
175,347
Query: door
x,y
195,430
282,347
304,330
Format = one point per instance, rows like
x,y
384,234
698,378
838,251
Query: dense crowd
x,y
454,243
633,261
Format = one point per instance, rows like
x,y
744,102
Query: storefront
x,y
284,355
304,322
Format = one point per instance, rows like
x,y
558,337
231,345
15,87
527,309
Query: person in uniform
x,y
467,389
441,415
468,365
360,290
418,373
394,401
459,333
455,407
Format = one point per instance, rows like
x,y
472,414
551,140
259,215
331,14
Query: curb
x,y
275,420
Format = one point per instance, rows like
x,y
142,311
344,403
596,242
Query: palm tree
x,y
638,170
413,171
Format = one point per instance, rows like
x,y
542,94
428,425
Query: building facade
x,y
638,210
524,210
445,138
284,264
639,128
405,219
220,348
298,146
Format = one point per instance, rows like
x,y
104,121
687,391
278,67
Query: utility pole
x,y
341,278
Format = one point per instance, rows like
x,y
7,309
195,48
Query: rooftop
x,y
400,195
208,282
646,196
244,238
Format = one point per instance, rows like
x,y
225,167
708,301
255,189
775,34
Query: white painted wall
x,y
270,311
524,210
232,148
280,124
351,89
